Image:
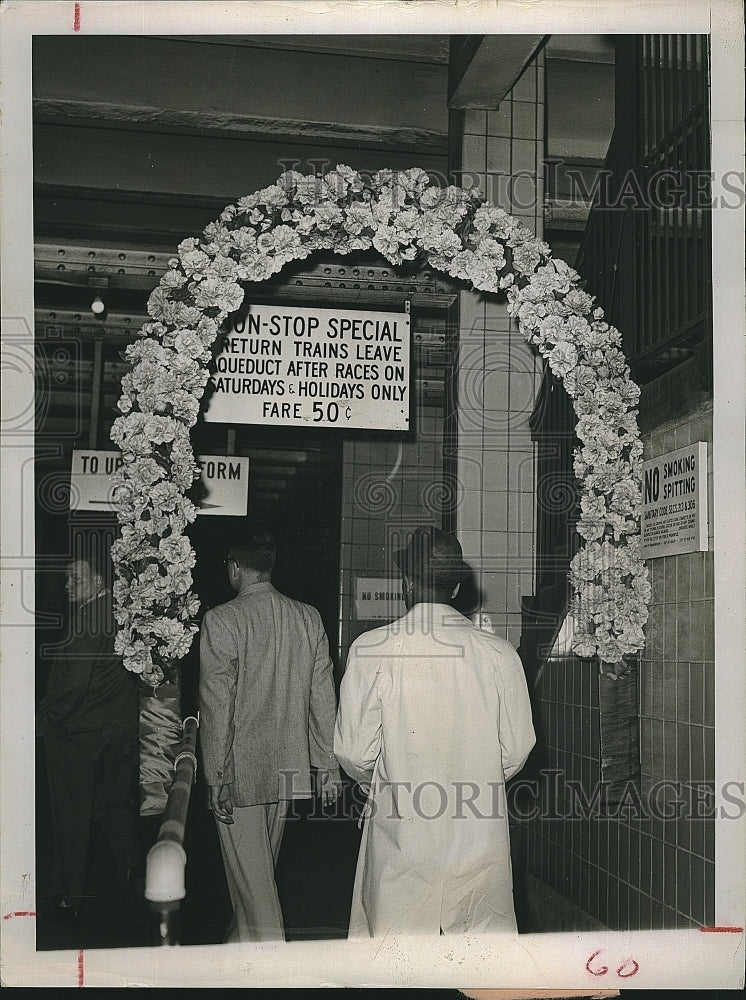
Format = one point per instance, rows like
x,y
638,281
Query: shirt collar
x,y
433,611
94,597
255,588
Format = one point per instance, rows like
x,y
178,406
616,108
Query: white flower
x,y
172,279
413,181
590,529
247,203
397,213
562,358
489,218
358,216
308,190
626,497
483,275
492,251
242,240
327,215
443,240
189,343
579,302
218,238
351,177
145,471
431,197
158,303
223,267
584,644
462,264
387,242
554,329
191,243
226,295
195,264
135,654
273,196
526,259
593,506
178,551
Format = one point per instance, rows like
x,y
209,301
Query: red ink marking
x,y
76,19
721,930
633,968
19,913
81,969
596,972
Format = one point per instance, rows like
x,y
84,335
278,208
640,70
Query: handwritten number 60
x,y
628,967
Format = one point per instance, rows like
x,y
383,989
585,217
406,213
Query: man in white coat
x,y
434,717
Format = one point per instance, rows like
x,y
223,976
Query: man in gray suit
x,y
267,710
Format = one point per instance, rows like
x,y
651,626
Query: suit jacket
x,y
267,700
89,689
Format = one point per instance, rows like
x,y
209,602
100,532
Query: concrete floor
x,y
315,875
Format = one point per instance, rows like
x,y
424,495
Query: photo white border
x,y
688,959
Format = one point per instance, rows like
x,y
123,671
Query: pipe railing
x,y
165,885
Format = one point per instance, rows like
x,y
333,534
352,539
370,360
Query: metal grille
x,y
646,251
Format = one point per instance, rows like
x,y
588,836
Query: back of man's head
x,y
255,551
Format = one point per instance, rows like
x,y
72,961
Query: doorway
x,y
295,490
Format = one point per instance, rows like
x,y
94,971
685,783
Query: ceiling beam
x,y
484,68
227,125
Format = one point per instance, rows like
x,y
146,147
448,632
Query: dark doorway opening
x,y
295,489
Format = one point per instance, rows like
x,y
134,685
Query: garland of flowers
x,y
402,216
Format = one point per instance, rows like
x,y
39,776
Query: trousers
x,y
91,778
250,847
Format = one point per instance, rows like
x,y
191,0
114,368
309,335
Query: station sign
x,y
223,487
377,598
298,367
674,503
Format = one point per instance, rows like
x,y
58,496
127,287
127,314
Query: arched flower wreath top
x,y
402,216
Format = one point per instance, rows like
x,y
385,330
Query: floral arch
x,y
402,216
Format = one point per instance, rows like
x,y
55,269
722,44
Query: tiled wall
x,y
501,152
647,871
390,487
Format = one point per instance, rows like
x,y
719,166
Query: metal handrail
x,y
165,865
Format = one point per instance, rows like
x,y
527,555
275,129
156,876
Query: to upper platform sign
x,y
222,489
299,367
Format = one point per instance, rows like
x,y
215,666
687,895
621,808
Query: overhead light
x,y
98,308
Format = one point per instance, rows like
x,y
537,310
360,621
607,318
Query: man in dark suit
x,y
88,719
267,710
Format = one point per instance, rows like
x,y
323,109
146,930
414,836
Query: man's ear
x,y
455,590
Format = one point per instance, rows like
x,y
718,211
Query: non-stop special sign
x,y
223,487
317,367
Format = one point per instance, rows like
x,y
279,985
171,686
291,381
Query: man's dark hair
x,y
255,551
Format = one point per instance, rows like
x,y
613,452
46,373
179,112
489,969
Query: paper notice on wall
x,y
92,479
377,598
223,487
298,367
674,508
